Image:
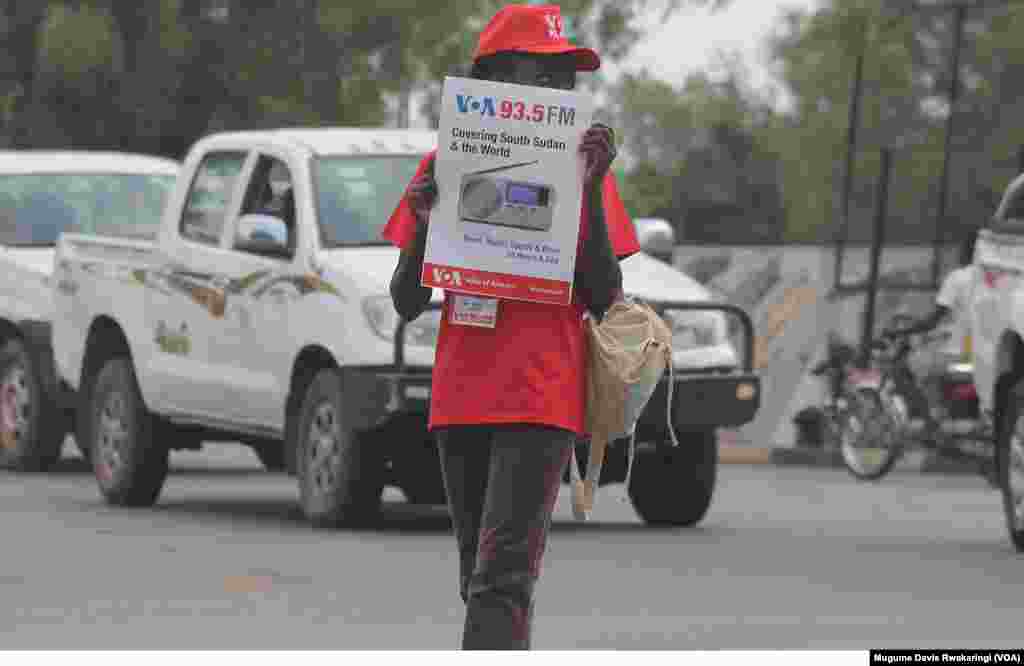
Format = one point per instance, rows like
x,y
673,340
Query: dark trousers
x,y
502,484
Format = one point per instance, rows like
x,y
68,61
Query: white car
x,y
262,314
42,194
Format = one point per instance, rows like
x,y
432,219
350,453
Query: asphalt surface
x,y
787,558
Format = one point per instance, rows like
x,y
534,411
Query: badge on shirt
x,y
473,311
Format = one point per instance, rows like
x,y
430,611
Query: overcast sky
x,y
687,42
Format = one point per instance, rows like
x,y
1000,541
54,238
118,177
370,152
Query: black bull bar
x,y
721,396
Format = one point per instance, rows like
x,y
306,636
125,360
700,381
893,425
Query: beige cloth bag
x,y
629,350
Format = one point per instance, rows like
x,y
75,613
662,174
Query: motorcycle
x,y
946,421
818,426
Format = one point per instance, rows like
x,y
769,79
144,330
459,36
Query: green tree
x,y
696,156
20,24
154,75
906,49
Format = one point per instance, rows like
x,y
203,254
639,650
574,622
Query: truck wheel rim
x,y
112,434
324,451
1015,473
15,401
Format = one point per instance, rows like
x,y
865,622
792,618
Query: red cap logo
x,y
554,26
532,29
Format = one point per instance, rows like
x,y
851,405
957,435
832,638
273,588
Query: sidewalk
x,y
920,462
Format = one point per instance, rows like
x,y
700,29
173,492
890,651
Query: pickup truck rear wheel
x,y
130,464
340,473
673,486
33,439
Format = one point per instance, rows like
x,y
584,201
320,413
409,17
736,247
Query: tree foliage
x,y
801,146
154,75
697,156
907,74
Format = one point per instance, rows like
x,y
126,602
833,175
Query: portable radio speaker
x,y
486,199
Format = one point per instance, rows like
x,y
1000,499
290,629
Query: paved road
x,y
787,558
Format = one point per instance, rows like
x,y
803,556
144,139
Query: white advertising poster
x,y
510,183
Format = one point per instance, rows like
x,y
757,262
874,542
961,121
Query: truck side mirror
x,y
262,234
656,237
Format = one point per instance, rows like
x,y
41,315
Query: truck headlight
x,y
383,319
696,329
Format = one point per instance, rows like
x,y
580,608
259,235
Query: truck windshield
x,y
36,208
356,195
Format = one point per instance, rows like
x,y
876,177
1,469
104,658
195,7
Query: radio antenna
x,y
502,168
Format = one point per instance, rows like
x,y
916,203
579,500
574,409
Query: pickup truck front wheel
x,y
1010,471
673,486
34,435
340,474
130,464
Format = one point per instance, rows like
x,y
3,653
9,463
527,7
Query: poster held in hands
x,y
510,182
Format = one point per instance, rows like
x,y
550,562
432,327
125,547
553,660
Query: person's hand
x,y
598,148
423,193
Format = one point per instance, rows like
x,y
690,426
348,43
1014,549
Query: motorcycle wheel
x,y
869,438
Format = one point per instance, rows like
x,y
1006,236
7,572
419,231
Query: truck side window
x,y
270,192
206,208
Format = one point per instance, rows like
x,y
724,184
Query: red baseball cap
x,y
532,29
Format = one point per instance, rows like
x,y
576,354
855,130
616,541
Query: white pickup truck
x,y
261,314
996,306
42,194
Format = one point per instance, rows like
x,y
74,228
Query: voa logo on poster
x,y
447,277
510,109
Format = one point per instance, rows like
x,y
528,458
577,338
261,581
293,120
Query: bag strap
x,y
668,421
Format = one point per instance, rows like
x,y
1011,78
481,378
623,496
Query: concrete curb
x,y
913,461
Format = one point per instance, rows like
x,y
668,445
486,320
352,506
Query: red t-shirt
x,y
530,367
